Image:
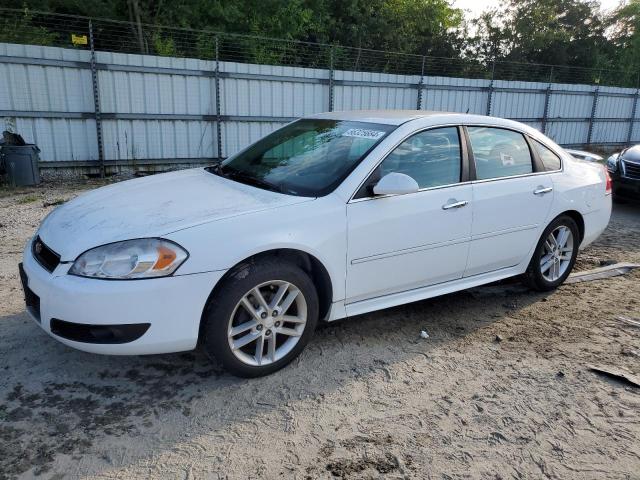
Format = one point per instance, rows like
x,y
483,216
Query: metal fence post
x,y
547,98
331,78
218,114
632,118
96,100
421,84
594,106
490,94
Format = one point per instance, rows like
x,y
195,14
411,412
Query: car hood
x,y
150,207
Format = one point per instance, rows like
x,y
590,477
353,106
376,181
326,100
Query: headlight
x,y
612,162
131,259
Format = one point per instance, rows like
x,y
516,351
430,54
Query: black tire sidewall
x,y
234,287
534,274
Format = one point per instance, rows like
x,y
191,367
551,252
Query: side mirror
x,y
395,184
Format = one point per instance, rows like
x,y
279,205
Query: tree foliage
x,y
574,33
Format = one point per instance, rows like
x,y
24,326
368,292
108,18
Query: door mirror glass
x,y
396,184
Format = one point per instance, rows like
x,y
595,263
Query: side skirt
x,y
340,309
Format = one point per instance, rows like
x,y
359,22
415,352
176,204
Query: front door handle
x,y
454,204
542,190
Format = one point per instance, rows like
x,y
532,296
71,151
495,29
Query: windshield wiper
x,y
247,179
216,169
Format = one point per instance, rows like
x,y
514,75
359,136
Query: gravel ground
x,y
500,389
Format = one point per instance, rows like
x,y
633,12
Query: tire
x,y
619,200
279,338
543,281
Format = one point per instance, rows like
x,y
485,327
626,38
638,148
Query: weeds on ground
x,y
27,199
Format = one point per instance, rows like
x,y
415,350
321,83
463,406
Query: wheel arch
x,y
309,263
576,217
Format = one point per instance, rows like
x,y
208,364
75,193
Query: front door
x,y
401,242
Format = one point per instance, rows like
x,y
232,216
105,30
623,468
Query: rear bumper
x,y
172,307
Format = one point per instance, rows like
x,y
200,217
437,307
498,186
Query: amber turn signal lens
x,y
166,256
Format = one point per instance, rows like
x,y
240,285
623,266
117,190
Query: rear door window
x,y
499,152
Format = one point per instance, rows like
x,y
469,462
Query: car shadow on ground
x,y
55,400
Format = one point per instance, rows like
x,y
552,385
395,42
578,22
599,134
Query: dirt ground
x,y
500,389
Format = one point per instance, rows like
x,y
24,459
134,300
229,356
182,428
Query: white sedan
x,y
333,215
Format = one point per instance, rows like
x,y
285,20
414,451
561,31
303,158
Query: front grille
x,y
44,255
632,170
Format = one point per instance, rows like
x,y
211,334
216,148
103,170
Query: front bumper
x,y
625,187
172,306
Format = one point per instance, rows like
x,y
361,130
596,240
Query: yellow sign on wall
x,y
78,39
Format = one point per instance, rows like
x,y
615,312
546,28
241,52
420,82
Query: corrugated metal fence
x,y
86,108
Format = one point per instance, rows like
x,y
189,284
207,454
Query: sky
x,y
476,7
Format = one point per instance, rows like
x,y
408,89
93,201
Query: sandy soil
x,y
500,389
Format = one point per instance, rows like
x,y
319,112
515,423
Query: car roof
x,y
398,117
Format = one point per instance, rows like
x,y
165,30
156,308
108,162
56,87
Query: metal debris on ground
x,y
602,272
629,321
618,374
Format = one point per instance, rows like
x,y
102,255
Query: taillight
x,y
607,188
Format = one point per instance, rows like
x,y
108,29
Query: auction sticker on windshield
x,y
363,133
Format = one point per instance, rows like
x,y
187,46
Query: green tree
x,y
560,32
624,25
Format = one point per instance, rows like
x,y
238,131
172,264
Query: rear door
x,y
511,199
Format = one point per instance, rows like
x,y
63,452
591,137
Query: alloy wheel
x,y
557,253
267,323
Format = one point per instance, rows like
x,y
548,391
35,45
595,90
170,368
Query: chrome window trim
x,y
522,175
425,189
525,134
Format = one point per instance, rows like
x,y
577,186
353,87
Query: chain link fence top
x,y
39,28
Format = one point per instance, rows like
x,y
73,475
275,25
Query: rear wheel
x,y
554,256
261,318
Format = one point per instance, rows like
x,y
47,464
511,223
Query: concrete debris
x,y
602,272
617,374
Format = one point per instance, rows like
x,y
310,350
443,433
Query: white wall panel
x,y
518,104
366,97
614,107
609,132
191,91
60,139
129,140
568,132
454,98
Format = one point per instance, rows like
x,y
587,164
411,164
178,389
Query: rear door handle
x,y
454,204
542,190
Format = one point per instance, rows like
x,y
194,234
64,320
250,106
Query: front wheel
x,y
261,318
554,256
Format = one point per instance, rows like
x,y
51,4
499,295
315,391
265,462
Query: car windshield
x,y
308,158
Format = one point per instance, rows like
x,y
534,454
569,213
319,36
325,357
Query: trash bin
x,y
21,164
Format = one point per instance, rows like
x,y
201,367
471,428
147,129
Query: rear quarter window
x,y
550,160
